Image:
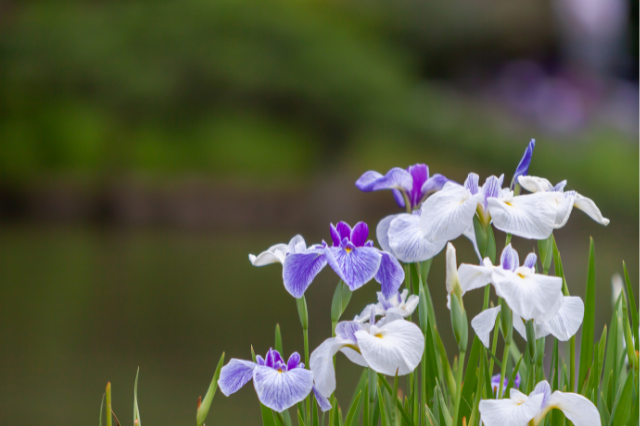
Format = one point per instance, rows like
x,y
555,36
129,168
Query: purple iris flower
x,y
523,166
352,257
279,384
414,182
495,383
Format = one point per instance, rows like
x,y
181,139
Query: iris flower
x,y
392,346
397,304
523,410
279,385
495,383
352,257
562,201
278,252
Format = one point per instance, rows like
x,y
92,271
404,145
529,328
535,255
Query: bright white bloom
x,y
563,325
398,305
278,252
520,409
391,346
449,212
562,201
529,295
483,324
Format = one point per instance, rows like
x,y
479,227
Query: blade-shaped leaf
x,y
354,410
632,306
136,411
203,410
278,343
101,407
545,249
622,407
588,324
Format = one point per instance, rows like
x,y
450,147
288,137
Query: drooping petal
x,y
577,408
382,232
434,183
409,306
355,267
525,161
273,254
408,242
567,321
235,375
359,234
518,410
354,356
321,364
589,207
395,346
529,216
509,259
483,324
535,184
281,390
300,269
530,261
390,274
323,402
563,203
297,244
395,178
447,213
475,276
529,295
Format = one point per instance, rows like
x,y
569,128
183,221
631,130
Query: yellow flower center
x,y
348,249
379,336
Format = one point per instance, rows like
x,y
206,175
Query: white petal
x,y
297,244
568,319
529,216
395,346
540,329
563,205
321,364
448,213
575,407
516,411
382,232
474,276
365,315
282,390
470,234
410,305
483,324
354,357
529,295
408,242
452,269
273,254
589,207
534,183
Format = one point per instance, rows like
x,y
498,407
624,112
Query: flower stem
x,y
458,388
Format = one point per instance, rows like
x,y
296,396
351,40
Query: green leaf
x,y
300,419
588,324
632,305
605,416
470,377
352,415
459,323
203,409
631,353
109,409
303,313
278,345
430,417
314,412
383,410
136,411
101,407
512,379
423,311
545,249
448,421
340,301
622,408
448,374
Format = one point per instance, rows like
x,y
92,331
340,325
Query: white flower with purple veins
x,y
352,257
562,201
279,385
392,346
397,305
278,252
523,410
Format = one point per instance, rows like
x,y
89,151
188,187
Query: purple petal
x,y
435,183
294,360
395,178
390,275
397,195
235,375
344,230
355,267
300,269
359,234
530,261
335,235
419,174
491,188
544,389
347,330
471,183
282,390
277,358
323,402
509,260
382,299
560,186
260,360
525,161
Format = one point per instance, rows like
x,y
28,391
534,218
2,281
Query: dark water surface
x,y
83,306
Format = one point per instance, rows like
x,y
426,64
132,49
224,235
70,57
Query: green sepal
x,y
203,409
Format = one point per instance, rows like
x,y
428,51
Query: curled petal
x,y
354,357
273,254
576,408
529,216
390,274
396,346
323,402
382,232
407,241
395,178
567,321
535,184
321,364
525,161
297,244
355,267
235,375
563,203
483,324
518,410
589,207
280,390
447,213
300,269
294,361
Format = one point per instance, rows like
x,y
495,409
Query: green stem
x,y
494,345
458,388
109,416
503,370
508,240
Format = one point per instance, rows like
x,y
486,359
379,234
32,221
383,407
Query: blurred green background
x,y
147,147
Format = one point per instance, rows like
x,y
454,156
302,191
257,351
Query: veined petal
x,y
323,402
419,175
395,346
382,232
491,188
529,295
297,244
542,388
354,357
530,261
475,276
407,241
280,390
365,315
471,183
346,330
589,207
434,183
563,203
518,410
447,213
321,364
344,230
355,267
395,178
509,258
483,324
359,234
273,254
535,184
575,407
235,375
567,321
525,161
470,234
529,216
300,269
390,274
